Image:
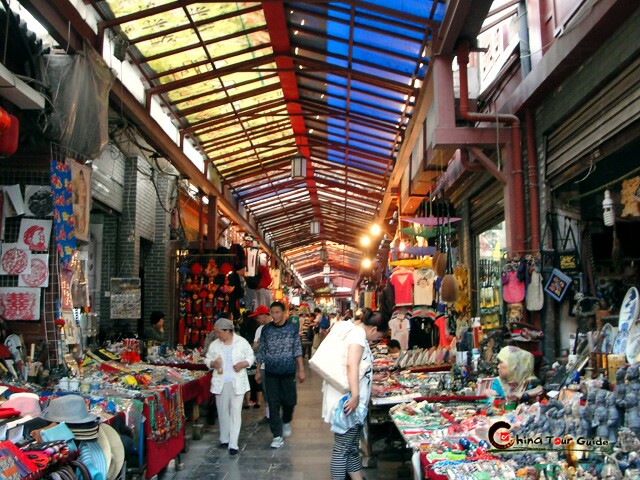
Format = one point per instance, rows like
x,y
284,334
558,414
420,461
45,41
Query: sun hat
x,y
260,310
92,456
103,441
85,431
117,451
223,324
25,402
70,409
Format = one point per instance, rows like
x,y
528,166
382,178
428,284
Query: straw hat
x,y
117,450
70,408
103,441
25,402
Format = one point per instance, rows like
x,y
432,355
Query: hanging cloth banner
x,y
63,224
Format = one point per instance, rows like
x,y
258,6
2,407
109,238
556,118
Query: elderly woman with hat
x,y
229,356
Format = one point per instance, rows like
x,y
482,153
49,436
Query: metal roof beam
x,y
199,23
232,98
362,77
246,66
216,122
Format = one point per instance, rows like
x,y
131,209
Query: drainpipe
x,y
514,189
534,193
523,33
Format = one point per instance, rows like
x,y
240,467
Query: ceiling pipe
x,y
514,187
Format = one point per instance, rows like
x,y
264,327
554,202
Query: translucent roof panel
x,y
337,85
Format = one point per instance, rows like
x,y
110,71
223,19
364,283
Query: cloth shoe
x,y
286,430
223,445
233,451
277,442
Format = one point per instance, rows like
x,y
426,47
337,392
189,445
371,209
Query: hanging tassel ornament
x,y
449,289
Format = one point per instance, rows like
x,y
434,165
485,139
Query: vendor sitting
x,y
393,347
155,331
515,371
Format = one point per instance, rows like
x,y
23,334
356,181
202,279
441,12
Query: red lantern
x,y
9,137
5,120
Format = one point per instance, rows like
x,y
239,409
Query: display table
x,y
186,366
197,390
160,446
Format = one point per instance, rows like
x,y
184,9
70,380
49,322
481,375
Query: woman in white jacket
x,y
229,356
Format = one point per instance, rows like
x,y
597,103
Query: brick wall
x,y
157,261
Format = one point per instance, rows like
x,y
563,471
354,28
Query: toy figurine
x,y
613,421
557,422
632,414
588,414
600,416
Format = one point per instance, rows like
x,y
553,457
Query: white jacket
x,y
242,351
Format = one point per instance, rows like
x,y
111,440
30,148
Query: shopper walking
x,y
229,356
263,317
280,351
348,423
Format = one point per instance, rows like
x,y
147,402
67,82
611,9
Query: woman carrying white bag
x,y
345,362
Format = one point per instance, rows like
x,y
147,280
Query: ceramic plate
x,y
633,342
628,310
607,336
620,343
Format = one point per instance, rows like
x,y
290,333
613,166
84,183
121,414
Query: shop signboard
x,y
125,298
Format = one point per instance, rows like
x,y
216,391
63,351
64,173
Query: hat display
x,y
103,441
59,432
92,456
71,409
9,412
117,451
260,310
85,431
223,324
26,403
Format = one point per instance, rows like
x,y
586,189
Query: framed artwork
x,y
35,234
38,200
80,198
20,303
14,259
39,275
558,284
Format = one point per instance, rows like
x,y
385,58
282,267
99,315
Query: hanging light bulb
x,y
315,227
365,241
608,213
402,245
326,269
366,263
375,229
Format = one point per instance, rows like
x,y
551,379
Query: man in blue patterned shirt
x,y
280,351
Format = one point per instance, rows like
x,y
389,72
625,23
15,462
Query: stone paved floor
x,y
304,456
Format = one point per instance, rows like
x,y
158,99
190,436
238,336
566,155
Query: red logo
x,y
557,441
500,435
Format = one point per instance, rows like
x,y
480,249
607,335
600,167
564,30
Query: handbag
x,y
330,359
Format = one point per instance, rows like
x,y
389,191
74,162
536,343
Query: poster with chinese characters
x,y
14,259
20,303
39,275
125,298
